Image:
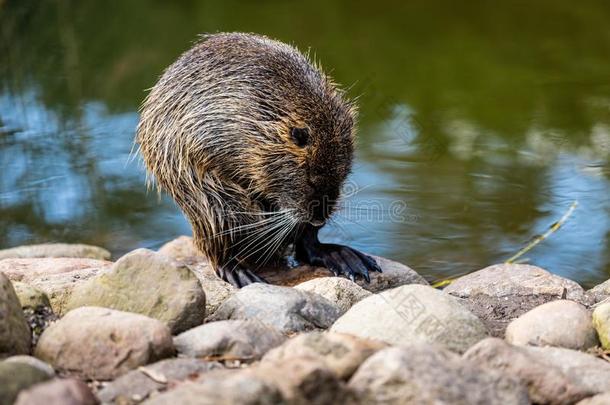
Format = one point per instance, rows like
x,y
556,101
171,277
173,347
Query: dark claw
x,y
340,260
238,276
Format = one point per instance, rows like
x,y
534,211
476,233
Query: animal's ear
x,y
300,136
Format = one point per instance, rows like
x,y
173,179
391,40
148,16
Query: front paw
x,y
342,260
238,275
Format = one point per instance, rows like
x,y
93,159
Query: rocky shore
x,y
161,328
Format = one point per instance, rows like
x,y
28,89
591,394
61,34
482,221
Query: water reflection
x,y
484,120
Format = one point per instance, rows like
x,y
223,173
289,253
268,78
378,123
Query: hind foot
x,y
339,259
238,275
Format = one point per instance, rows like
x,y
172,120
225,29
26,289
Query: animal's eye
x,y
300,136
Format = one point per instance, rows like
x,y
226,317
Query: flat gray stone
x,y
14,330
560,323
287,309
413,313
147,283
101,343
56,250
500,293
244,340
340,291
424,374
139,384
546,383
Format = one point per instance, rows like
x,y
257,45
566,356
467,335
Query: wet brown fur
x,y
215,134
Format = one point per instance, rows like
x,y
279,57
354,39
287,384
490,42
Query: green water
x,y
480,122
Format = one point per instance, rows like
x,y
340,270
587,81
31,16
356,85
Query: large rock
x,y
222,387
288,309
340,291
56,277
600,292
59,391
413,313
560,323
139,384
56,250
14,330
15,377
424,374
601,322
339,352
146,283
500,293
244,340
546,383
216,290
101,343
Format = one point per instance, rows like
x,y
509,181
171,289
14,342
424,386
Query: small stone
x,y
183,249
500,293
340,291
58,391
56,250
15,377
288,309
56,277
14,330
600,292
216,290
425,374
244,340
222,387
101,343
601,322
145,381
560,323
30,297
339,352
546,384
33,362
413,313
601,399
146,283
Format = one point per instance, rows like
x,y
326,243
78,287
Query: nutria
x,y
253,142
